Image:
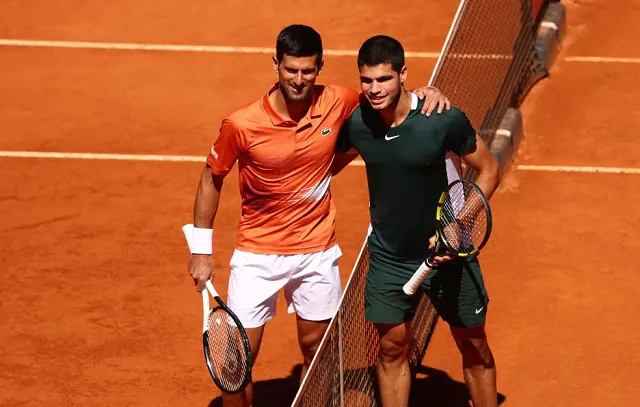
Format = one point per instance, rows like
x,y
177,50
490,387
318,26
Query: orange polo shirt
x,y
285,171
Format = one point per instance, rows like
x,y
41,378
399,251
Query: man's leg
x,y
310,335
394,375
245,397
313,293
253,288
391,312
457,290
478,365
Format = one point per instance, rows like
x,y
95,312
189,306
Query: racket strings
x,y
464,218
227,350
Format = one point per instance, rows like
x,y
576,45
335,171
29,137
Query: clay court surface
x,y
96,306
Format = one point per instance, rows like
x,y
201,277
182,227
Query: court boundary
x,y
202,159
224,49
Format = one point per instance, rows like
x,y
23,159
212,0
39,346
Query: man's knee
x,y
473,345
310,335
394,341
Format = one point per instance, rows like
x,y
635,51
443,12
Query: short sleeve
x,y
225,151
344,141
349,100
461,135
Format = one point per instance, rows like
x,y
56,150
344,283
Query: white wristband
x,y
200,240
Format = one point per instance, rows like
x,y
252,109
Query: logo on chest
x,y
326,131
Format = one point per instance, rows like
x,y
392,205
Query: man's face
x,y
381,85
297,75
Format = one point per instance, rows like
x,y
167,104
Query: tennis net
x,y
486,65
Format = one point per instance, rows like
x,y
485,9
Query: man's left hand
x,y
432,98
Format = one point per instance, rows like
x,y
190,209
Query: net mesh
x,y
344,372
487,65
486,60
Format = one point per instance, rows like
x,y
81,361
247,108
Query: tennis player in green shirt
x,y
404,152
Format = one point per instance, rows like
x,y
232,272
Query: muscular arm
x,y
204,212
481,159
207,198
222,156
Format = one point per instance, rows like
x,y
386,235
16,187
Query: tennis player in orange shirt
x,y
284,144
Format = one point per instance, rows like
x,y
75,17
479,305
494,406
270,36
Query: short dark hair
x,y
381,49
299,41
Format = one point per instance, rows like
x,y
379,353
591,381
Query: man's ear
x,y
274,63
403,74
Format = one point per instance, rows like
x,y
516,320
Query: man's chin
x,y
296,97
379,106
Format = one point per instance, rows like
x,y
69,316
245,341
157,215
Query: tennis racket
x,y
462,229
226,346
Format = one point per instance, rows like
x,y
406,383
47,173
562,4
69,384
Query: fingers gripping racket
x,y
226,346
462,229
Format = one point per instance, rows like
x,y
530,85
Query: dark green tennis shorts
x,y
455,288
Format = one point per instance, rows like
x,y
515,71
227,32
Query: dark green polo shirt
x,y
406,172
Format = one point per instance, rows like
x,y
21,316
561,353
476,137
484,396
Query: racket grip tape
x,y
412,285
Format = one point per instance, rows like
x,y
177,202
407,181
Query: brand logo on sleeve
x,y
213,153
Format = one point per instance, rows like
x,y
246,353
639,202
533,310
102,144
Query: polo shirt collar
x,y
277,120
414,101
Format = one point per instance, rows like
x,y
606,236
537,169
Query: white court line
x,y
202,159
178,48
555,168
133,47
603,60
100,156
260,50
567,168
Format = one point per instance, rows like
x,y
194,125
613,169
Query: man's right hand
x,y
200,269
438,258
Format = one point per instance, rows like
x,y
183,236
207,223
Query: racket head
x,y
227,351
464,218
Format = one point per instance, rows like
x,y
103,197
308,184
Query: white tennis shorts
x,y
311,285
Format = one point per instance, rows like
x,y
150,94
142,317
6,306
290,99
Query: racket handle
x,y
212,290
205,310
412,285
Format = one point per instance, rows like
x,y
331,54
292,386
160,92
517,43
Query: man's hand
x,y
437,258
432,98
200,269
